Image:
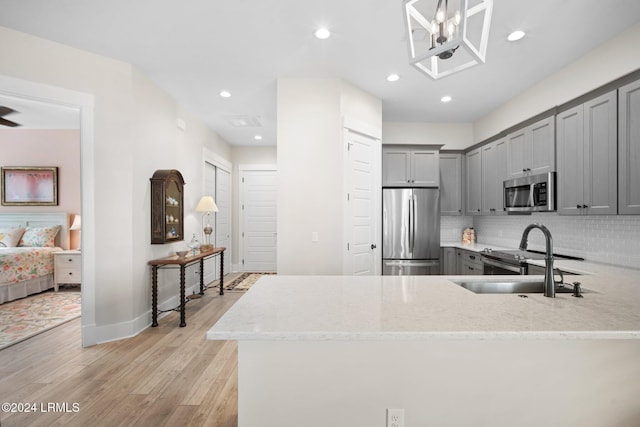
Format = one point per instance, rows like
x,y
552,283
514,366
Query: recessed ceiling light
x,y
257,137
515,36
446,98
323,33
393,77
225,94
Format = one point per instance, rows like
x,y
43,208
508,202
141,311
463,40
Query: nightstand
x,y
67,268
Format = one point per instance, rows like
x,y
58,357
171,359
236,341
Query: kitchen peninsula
x,y
340,350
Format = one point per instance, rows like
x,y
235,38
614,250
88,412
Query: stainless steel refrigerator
x,y
410,231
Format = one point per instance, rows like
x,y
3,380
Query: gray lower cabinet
x,y
494,172
473,197
629,149
451,184
449,263
587,158
469,263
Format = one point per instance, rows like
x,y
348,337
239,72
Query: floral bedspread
x,y
24,263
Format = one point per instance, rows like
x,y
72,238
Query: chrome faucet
x,y
549,281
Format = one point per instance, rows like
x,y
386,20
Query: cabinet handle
x,y
472,257
70,260
70,274
585,206
578,207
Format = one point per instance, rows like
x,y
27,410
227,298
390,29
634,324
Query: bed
x,y
27,244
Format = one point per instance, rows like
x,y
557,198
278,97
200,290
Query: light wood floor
x,y
164,376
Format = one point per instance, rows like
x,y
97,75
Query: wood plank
x,y
165,375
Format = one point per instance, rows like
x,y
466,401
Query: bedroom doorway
x,y
43,108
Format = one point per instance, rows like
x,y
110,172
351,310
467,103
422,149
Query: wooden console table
x,y
182,263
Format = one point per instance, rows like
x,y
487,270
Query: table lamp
x,y
206,205
76,225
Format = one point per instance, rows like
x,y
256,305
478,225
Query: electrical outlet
x,y
395,417
314,236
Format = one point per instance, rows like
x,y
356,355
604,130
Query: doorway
x,y
83,104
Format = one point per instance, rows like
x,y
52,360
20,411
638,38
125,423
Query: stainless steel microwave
x,y
535,193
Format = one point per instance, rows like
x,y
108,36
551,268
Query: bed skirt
x,y
13,291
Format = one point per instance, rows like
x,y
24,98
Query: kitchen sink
x,y
508,287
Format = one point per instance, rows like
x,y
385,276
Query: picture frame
x,y
29,186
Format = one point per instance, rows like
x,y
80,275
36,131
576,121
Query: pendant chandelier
x,y
447,36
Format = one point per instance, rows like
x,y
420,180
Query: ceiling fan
x,y
3,112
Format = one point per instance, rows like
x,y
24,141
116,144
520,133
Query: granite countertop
x,y
431,307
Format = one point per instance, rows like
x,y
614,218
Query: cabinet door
x,y
449,262
451,184
541,148
629,149
570,161
425,170
494,172
395,167
489,179
516,148
474,182
501,174
600,155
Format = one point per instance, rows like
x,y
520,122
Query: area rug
x,y
26,317
243,282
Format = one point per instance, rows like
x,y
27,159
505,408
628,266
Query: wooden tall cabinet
x,y
629,149
587,158
167,206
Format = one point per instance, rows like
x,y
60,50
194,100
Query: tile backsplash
x,y
611,239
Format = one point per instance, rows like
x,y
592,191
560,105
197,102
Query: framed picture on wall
x,y
29,186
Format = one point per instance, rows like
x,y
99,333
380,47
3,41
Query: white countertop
x,y
430,307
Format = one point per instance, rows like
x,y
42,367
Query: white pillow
x,y
10,237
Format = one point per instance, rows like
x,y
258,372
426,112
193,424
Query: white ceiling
x,y
195,49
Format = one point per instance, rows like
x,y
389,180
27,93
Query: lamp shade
x,y
77,223
206,204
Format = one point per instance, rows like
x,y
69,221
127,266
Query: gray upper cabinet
x,y
587,158
494,172
410,166
474,182
451,184
629,149
531,150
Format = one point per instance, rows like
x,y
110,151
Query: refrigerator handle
x,y
413,228
410,231
409,223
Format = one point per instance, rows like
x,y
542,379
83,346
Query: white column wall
x,y
310,169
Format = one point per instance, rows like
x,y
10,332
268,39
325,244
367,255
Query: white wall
x,y
614,59
310,169
134,134
454,136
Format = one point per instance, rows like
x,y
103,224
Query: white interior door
x,y
360,220
259,236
